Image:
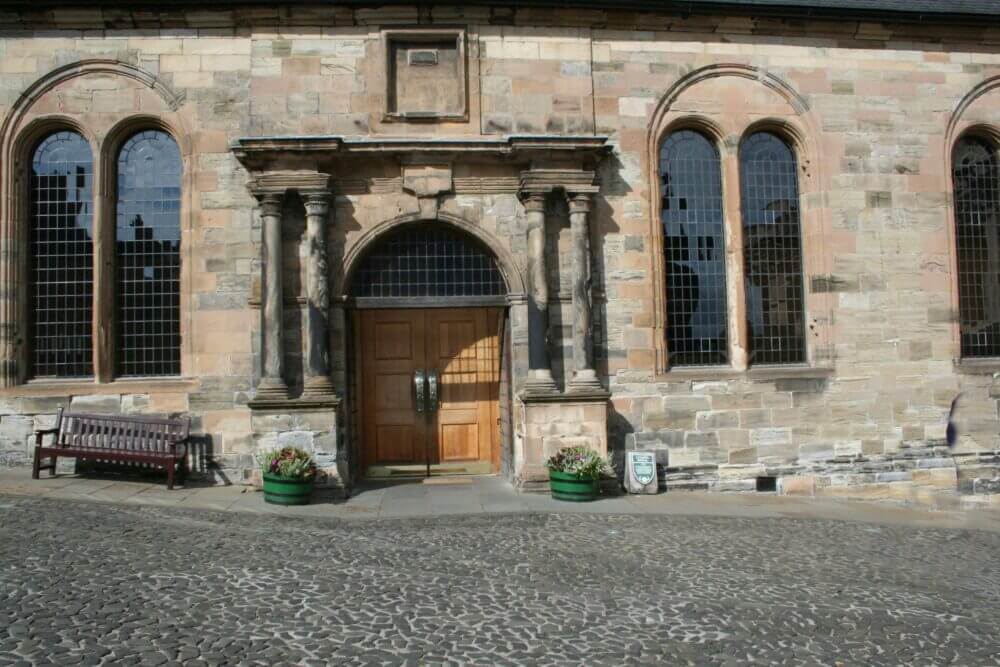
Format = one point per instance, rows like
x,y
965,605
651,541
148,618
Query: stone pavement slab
x,y
149,584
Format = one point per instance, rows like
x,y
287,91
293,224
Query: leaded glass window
x,y
61,257
694,250
976,179
148,240
428,260
772,250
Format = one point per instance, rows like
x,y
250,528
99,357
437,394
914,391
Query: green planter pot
x,y
572,487
280,490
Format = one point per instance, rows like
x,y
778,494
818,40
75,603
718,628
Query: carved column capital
x,y
533,202
317,203
269,201
579,202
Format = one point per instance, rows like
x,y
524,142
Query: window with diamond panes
x,y
772,250
148,240
428,261
61,257
976,180
694,250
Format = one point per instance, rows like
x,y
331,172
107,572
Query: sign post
x,y
640,472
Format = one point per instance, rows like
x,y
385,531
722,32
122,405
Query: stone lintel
x,y
571,181
279,182
263,153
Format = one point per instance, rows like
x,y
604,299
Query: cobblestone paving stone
x,y
100,584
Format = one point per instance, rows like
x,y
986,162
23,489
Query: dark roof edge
x,y
791,9
782,9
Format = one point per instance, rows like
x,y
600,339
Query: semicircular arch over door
x,y
429,264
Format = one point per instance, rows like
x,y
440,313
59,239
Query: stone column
x,y
317,381
539,366
272,383
584,375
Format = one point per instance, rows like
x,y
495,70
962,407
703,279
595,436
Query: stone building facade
x,y
314,140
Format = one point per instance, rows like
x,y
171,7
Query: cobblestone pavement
x,y
85,583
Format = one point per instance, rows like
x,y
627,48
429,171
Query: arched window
x,y
976,179
61,257
694,250
428,261
148,239
772,250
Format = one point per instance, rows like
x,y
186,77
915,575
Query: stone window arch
x,y
772,249
61,257
976,184
693,226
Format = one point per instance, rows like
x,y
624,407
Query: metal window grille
x,y
61,258
694,249
148,240
772,247
976,179
428,261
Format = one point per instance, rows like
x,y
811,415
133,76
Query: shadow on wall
x,y
619,427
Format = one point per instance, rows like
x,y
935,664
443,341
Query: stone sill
x,y
280,405
754,373
984,366
50,388
595,396
789,372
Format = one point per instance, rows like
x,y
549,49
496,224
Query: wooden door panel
x,y
394,341
459,442
395,444
392,350
461,357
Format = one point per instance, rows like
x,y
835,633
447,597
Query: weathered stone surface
x,y
883,105
99,403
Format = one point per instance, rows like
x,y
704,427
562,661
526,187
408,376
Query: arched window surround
x,y
58,344
128,361
728,134
747,193
710,134
104,148
966,359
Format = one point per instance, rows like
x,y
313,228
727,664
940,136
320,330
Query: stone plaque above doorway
x,y
425,75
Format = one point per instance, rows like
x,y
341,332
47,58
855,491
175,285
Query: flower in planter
x,y
581,461
289,462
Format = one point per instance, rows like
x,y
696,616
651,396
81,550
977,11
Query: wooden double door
x,y
430,387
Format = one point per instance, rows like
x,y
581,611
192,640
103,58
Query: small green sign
x,y
643,468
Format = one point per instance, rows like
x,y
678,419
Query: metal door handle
x,y
418,384
432,383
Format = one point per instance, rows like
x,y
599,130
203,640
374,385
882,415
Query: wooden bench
x,y
161,442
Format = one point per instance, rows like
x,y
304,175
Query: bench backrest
x,y
127,432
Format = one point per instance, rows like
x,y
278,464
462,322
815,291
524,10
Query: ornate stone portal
x,y
556,413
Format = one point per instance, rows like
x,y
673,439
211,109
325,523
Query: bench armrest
x,y
41,432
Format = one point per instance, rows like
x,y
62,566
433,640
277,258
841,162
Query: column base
x,y
540,383
320,386
585,382
271,389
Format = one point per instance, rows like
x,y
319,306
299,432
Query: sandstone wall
x,y
873,108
